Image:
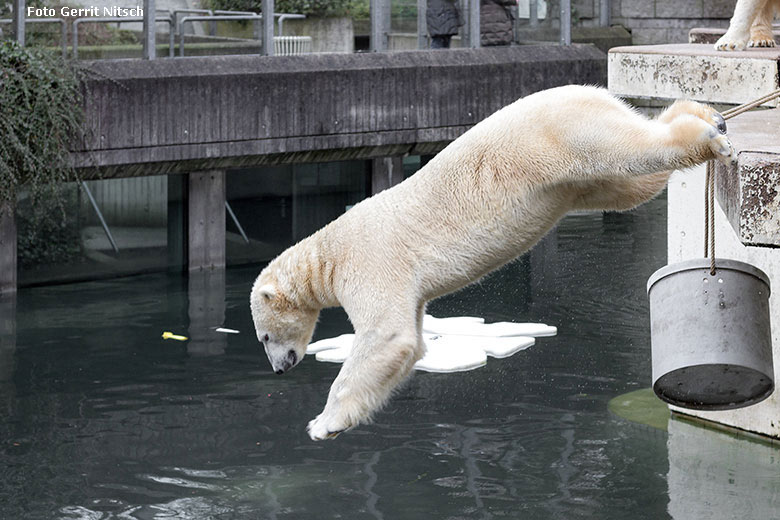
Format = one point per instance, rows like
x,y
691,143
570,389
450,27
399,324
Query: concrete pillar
x,y
206,220
7,249
385,173
206,309
7,337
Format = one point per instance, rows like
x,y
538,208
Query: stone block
x,y
585,8
637,9
749,192
719,8
693,71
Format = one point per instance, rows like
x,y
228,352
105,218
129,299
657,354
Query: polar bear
x,y
482,201
750,26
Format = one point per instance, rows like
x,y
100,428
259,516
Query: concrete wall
x,y
191,114
327,34
699,72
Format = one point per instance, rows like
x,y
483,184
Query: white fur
x,y
751,25
485,199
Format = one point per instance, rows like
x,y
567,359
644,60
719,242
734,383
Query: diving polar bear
x,y
482,201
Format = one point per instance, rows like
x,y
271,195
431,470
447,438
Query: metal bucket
x,y
710,334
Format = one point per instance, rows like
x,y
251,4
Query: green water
x,y
101,419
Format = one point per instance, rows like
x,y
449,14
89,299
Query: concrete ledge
x,y
693,71
749,193
186,114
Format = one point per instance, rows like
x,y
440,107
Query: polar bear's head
x,y
282,327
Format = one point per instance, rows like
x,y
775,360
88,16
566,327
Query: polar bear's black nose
x,y
288,363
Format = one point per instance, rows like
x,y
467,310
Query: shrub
x,y
40,98
41,101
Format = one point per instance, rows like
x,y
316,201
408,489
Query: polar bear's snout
x,y
285,364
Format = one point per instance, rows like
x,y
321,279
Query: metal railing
x,y
379,14
233,18
175,15
63,29
281,17
118,20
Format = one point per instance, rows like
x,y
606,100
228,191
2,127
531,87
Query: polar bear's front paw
x,y
325,426
730,42
723,150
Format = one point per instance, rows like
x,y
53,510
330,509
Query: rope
x,y
709,183
733,112
709,215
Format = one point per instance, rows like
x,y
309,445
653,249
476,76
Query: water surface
x,y
100,418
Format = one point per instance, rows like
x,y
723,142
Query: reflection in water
x,y
7,338
717,475
105,420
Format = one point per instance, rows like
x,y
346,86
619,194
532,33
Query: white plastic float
x,y
452,344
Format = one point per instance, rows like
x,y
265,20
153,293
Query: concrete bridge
x,y
203,115
183,115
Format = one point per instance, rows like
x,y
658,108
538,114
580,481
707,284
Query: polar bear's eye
x,y
265,338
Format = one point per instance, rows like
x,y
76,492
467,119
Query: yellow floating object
x,y
171,335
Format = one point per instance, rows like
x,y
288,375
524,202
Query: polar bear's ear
x,y
267,291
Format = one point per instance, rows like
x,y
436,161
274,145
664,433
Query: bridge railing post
x,y
150,42
565,22
380,22
18,21
604,13
268,27
475,34
422,24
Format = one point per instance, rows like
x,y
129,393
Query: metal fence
x,y
63,29
264,25
118,20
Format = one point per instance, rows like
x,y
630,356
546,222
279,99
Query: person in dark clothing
x,y
495,22
443,19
